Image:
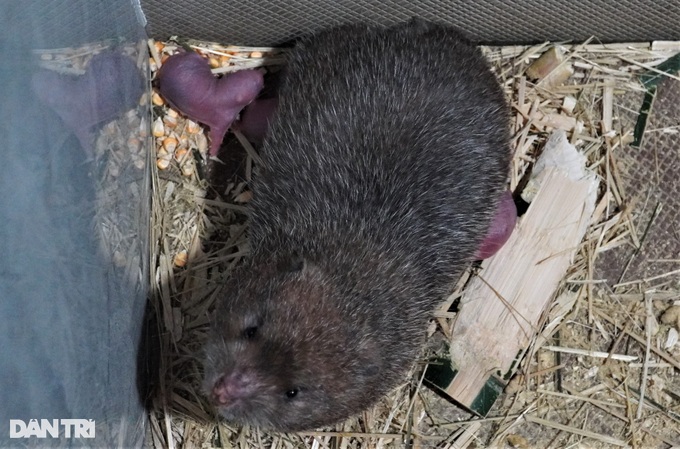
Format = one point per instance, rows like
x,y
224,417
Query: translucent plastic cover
x,y
73,223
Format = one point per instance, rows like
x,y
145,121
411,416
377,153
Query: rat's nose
x,y
233,386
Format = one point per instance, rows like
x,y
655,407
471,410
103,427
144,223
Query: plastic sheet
x,y
73,223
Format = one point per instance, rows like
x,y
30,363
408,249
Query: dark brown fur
x,y
382,170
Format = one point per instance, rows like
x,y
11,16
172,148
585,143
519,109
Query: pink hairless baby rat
x,y
111,85
255,119
187,83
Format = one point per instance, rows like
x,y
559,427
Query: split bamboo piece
x,y
500,309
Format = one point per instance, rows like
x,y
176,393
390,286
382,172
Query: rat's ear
x,y
291,263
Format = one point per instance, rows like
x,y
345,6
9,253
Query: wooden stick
x,y
599,354
501,308
648,330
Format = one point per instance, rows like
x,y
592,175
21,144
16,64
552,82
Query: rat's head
x,y
287,352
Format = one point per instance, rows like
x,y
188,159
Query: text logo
x,y
51,428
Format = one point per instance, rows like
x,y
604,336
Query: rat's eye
x,y
250,332
293,392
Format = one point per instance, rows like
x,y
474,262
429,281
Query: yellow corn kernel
x,y
158,129
192,127
180,154
133,143
181,259
184,140
143,100
170,144
162,163
188,168
157,100
170,121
